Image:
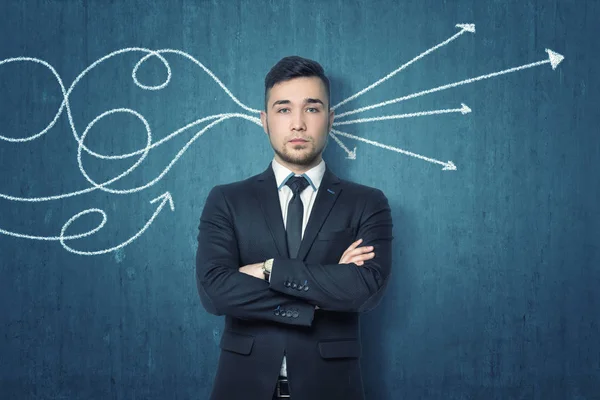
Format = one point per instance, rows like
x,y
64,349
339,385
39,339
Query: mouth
x,y
298,141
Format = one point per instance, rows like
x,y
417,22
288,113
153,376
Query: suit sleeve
x,y
344,287
222,288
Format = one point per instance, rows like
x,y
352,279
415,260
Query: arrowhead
x,y
555,58
467,27
352,155
166,196
449,166
465,109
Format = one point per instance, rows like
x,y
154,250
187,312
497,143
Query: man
x,y
279,256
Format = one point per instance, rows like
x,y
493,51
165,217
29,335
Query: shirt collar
x,y
313,175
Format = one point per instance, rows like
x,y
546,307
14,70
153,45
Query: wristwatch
x,y
266,268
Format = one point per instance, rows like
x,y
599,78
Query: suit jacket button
x,y
295,314
276,312
286,284
288,313
306,288
294,285
300,286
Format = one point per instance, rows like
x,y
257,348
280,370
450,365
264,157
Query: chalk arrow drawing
x,y
448,166
62,238
351,155
163,199
463,110
464,28
554,59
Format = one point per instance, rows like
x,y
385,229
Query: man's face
x,y
298,122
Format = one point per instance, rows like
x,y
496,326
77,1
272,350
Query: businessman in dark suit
x,y
292,256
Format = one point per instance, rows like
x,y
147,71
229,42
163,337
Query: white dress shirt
x,y
308,196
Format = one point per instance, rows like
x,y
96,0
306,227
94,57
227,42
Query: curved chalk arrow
x,y
163,198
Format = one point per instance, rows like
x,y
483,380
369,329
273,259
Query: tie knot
x,y
297,184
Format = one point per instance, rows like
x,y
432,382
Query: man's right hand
x,y
356,254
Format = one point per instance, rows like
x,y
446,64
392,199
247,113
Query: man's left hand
x,y
254,270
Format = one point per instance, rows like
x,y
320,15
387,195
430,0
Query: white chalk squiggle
x,y
553,58
143,152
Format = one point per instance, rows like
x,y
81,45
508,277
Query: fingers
x,y
345,257
360,259
356,254
353,248
354,245
361,251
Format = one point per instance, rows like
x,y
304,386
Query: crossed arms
x,y
356,284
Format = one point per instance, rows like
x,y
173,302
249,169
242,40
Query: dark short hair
x,y
294,67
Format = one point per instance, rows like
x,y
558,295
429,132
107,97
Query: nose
x,y
297,122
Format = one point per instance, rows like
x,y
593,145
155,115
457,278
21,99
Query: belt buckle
x,y
278,389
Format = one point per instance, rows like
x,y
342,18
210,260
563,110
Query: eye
x,y
313,109
281,110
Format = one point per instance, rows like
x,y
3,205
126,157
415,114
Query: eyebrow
x,y
308,100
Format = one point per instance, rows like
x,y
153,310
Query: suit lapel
x,y
326,196
268,198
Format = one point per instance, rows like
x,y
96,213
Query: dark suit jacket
x,y
242,224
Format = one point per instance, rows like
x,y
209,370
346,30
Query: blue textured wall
x,y
495,286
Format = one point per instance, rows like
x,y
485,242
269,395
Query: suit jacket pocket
x,y
236,342
341,234
348,348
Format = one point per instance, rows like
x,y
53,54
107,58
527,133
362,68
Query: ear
x,y
331,118
263,120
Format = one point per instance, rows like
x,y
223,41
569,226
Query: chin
x,y
304,160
